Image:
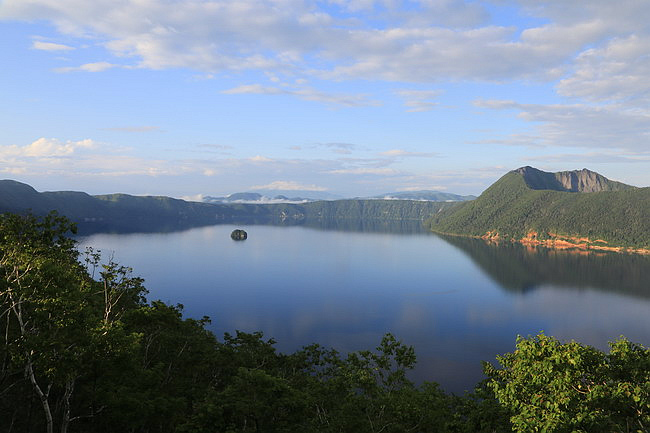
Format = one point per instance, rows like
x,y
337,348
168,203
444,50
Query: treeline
x,y
512,209
127,213
84,351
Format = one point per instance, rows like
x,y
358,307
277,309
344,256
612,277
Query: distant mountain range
x,y
307,196
424,195
570,209
114,212
255,197
127,213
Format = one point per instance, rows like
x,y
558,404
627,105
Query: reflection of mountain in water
x,y
368,225
520,269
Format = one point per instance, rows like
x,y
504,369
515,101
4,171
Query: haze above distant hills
x,y
565,209
307,196
123,212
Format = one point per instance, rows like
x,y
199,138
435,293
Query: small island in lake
x,y
238,235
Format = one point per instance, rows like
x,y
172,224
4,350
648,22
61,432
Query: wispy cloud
x,y
423,188
591,157
340,148
381,171
579,125
88,67
424,42
419,100
51,46
616,71
260,158
306,93
46,148
397,153
289,186
222,149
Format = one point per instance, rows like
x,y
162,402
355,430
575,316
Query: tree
x,y
57,319
564,387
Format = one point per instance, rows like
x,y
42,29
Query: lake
x,y
458,301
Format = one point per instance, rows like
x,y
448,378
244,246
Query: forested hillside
x,y
123,212
511,210
83,350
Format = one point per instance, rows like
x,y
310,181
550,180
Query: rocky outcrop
x,y
572,181
238,235
563,242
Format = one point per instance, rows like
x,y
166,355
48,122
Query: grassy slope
x,y
511,208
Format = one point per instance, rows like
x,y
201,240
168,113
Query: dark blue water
x,y
458,301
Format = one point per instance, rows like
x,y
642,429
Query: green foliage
x,y
565,387
83,351
53,314
511,208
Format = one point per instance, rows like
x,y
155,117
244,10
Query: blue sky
x,y
353,98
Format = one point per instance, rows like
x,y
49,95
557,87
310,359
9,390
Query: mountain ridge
x,y
423,195
616,219
570,181
256,197
127,213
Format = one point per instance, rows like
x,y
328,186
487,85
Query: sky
x,y
188,98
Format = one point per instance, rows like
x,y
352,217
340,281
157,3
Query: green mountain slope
x,y
122,212
511,209
117,212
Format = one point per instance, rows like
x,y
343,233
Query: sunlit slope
x,y
511,209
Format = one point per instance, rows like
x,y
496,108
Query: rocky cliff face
x,y
573,181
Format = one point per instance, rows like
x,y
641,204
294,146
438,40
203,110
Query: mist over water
x,y
458,301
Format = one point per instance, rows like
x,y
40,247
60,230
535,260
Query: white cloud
x,y
618,72
45,148
14,170
50,46
591,157
579,125
419,100
340,148
54,157
88,67
427,41
422,188
196,197
260,158
383,171
54,162
306,93
289,186
393,153
256,89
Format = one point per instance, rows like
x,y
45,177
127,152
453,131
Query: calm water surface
x,y
458,301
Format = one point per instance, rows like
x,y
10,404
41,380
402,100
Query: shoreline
x,y
556,242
